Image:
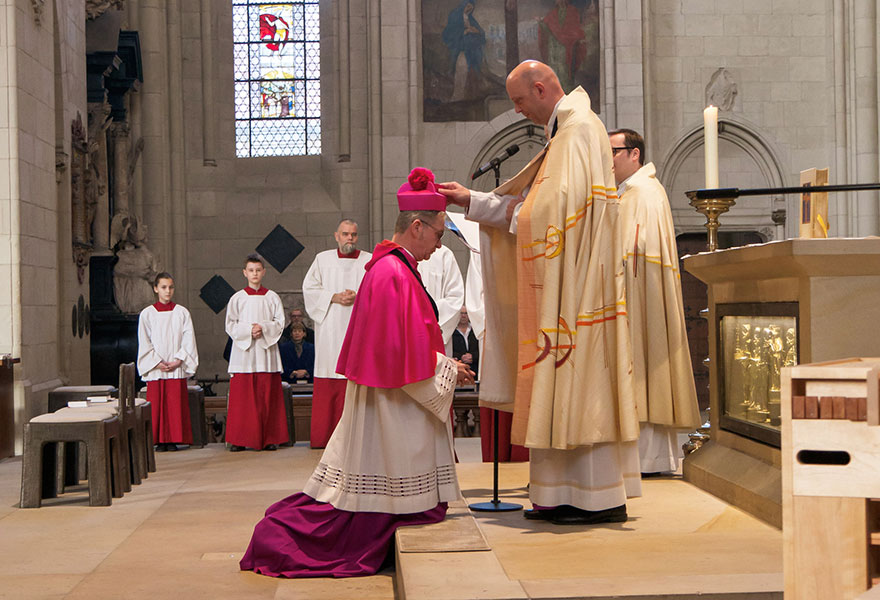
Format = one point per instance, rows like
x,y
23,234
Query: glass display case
x,y
755,340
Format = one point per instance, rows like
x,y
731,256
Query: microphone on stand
x,y
492,164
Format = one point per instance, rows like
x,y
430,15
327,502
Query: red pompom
x,y
419,178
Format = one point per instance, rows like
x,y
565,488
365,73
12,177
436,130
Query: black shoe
x,y
535,514
161,448
271,447
171,447
576,516
234,448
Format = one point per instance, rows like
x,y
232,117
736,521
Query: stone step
x,y
679,543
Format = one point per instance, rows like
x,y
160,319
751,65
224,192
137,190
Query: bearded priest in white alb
x,y
329,290
663,378
555,308
442,279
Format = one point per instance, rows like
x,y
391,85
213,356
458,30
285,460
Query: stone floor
x,y
679,542
181,533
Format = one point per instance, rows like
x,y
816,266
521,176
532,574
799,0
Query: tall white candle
x,y
710,145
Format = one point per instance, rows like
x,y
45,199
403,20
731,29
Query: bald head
x,y
534,89
533,71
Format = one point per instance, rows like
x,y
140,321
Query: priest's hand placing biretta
x,y
455,193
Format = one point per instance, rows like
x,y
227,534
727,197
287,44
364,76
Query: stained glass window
x,y
277,58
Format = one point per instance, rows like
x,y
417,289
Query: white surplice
x,y
329,275
392,450
251,355
659,450
442,278
594,477
473,286
166,336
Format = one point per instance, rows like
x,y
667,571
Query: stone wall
x,y
69,75
42,86
776,56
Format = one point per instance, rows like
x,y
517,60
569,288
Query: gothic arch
x,y
744,136
739,133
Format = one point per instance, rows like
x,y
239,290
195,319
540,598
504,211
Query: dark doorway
x,y
696,298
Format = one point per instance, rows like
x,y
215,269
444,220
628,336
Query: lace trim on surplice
x,y
436,393
382,485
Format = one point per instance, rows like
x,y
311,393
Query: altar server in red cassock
x,y
254,320
390,460
167,356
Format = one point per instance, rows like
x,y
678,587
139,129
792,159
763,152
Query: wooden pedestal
x,y
830,472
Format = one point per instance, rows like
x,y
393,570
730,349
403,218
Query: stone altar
x,y
834,284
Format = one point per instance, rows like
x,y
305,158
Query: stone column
x,y
98,159
866,96
154,117
175,203
209,146
120,132
343,81
855,29
374,126
79,192
648,80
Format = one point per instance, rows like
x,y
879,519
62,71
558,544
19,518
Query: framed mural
x,y
469,46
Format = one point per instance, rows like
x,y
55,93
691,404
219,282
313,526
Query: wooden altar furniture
x,y
831,478
196,396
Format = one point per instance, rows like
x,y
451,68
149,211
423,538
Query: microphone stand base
x,y
494,506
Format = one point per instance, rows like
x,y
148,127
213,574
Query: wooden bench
x,y
465,408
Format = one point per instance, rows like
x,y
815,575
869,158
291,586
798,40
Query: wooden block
x,y
797,407
852,409
836,387
872,393
826,407
811,407
839,410
863,409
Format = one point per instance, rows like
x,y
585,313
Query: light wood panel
x,y
828,520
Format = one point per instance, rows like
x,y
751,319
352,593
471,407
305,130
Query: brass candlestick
x,y
711,205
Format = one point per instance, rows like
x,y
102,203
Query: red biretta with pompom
x,y
420,193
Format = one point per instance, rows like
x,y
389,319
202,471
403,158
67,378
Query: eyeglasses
x,y
616,149
439,232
